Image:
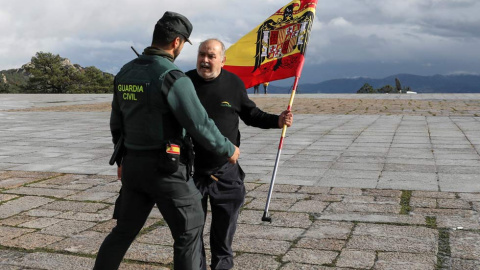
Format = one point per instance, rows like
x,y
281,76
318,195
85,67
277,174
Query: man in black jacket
x,y
225,99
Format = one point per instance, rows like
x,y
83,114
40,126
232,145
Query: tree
x,y
96,81
50,75
398,85
366,89
4,88
387,89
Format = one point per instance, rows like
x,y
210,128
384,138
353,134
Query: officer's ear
x,y
177,42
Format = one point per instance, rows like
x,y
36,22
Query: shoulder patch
x,y
170,79
177,74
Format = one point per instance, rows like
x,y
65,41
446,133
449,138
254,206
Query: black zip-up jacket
x,y
225,99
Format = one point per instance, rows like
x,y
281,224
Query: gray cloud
x,y
349,37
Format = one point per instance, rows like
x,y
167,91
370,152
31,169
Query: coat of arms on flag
x,y
280,42
285,36
274,49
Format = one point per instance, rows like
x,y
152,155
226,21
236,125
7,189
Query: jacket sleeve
x,y
253,116
115,119
192,116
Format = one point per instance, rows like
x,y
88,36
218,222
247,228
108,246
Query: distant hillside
x,y
90,79
12,80
419,84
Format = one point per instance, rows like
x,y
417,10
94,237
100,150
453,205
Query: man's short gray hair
x,y
214,39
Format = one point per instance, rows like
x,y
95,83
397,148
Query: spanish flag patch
x,y
173,149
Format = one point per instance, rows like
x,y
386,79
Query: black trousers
x,y
226,192
179,201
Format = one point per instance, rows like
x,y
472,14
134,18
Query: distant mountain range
x,y
420,84
462,83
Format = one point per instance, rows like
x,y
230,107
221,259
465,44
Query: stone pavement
x,y
351,192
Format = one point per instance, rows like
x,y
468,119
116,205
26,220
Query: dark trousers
x,y
226,192
178,200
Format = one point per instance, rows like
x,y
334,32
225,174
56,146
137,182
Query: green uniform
x,y
152,121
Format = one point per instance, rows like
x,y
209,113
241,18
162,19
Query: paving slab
x,y
398,261
356,259
256,261
21,204
262,246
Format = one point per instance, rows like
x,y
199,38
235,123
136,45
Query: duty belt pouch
x,y
169,158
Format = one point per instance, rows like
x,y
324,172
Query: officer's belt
x,y
144,153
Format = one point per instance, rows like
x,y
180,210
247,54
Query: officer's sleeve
x,y
192,116
115,119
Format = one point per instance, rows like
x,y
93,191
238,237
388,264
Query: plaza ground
x,y
364,182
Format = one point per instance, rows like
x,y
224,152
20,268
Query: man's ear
x,y
176,42
224,60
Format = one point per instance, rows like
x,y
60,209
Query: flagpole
x,y
266,216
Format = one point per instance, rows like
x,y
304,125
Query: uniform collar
x,y
159,52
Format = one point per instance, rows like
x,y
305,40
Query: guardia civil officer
x,y
153,104
223,95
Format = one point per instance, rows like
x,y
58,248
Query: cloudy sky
x,y
350,38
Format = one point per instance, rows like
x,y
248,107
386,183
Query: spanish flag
x,y
173,149
275,49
